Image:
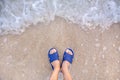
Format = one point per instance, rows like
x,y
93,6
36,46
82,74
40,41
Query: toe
x,y
69,52
52,51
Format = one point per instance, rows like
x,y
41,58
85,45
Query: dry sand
x,y
97,54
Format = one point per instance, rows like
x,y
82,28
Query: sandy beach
x,y
97,54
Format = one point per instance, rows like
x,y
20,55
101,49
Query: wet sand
x,y
97,54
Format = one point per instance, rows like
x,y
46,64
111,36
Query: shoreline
x,y
24,56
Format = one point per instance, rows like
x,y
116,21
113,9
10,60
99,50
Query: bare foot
x,y
66,64
56,63
65,67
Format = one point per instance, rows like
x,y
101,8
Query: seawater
x,y
16,15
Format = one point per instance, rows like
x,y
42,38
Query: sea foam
x,y
16,15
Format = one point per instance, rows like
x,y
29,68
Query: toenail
x,y
67,50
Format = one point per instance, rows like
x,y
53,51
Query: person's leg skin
x,y
65,68
56,65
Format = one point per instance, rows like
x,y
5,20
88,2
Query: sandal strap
x,y
53,57
68,57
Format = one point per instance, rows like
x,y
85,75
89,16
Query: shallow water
x,y
16,15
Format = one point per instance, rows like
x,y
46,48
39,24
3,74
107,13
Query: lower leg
x,y
65,68
65,71
54,75
56,65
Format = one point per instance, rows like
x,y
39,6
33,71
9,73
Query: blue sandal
x,y
68,57
53,57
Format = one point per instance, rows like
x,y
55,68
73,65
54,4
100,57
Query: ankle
x,y
57,69
65,65
64,69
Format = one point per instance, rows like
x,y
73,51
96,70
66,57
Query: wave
x,y
16,15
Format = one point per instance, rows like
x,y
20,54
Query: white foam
x,y
88,13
